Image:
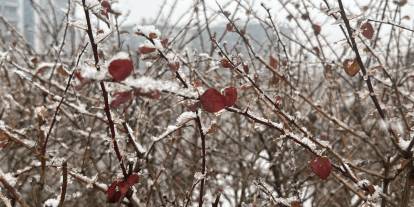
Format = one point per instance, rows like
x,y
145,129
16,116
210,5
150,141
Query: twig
x,y
60,103
16,195
104,91
203,164
367,79
64,183
392,24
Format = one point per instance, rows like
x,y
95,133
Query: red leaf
x,y
273,62
367,30
146,49
120,69
321,166
121,98
106,7
230,96
118,189
246,68
226,63
212,101
174,66
105,4
152,35
278,101
316,29
123,187
113,194
79,76
229,27
132,179
164,42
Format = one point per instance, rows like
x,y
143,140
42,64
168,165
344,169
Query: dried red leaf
x,y
113,194
105,4
273,62
230,96
278,101
197,83
133,179
106,7
316,29
367,30
225,63
212,101
119,188
146,50
4,140
229,27
120,69
121,98
164,42
174,66
351,67
321,166
153,35
246,68
295,204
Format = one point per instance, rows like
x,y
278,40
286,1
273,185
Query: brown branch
x,y
367,79
104,91
64,183
203,163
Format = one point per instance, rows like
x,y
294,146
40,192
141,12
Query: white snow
x,y
199,176
147,30
90,72
52,202
148,84
9,178
185,117
120,56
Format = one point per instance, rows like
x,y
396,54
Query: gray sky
x,y
139,9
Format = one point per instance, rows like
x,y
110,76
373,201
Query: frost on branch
x,y
52,202
148,84
149,31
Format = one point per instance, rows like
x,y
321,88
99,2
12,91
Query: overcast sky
x,y
149,8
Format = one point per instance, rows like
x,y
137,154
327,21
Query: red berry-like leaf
x,y
367,30
212,101
121,98
321,166
230,96
120,69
